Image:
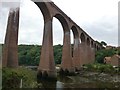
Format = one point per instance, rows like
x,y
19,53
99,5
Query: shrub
x,y
11,77
99,68
101,54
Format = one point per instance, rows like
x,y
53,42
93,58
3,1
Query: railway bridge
x,y
83,48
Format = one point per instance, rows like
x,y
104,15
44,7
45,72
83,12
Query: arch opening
x,y
92,45
57,40
66,49
88,41
74,38
64,30
63,22
30,25
82,37
72,42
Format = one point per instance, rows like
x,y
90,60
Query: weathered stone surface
x,y
66,55
47,63
82,52
10,50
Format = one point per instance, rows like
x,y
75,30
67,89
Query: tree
x,y
100,55
103,43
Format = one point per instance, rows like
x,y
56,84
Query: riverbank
x,y
82,79
87,79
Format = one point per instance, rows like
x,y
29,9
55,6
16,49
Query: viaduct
x,y
83,50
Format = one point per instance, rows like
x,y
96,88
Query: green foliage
x,y
11,78
100,68
118,51
30,54
57,54
103,43
101,54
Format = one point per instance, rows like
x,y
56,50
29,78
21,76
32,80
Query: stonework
x,y
83,53
10,48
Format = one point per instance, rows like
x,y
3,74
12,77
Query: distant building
x,y
107,60
110,47
118,47
114,60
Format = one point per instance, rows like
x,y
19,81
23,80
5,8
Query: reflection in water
x,y
59,85
55,85
72,82
65,79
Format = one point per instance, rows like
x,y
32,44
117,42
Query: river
x,y
83,80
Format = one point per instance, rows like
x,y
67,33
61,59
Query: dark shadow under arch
x,y
82,37
92,44
76,40
75,32
45,74
88,41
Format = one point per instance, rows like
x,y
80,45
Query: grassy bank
x,y
102,68
11,78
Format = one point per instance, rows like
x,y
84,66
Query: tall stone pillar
x,y
82,53
66,64
10,50
89,57
92,55
47,64
76,54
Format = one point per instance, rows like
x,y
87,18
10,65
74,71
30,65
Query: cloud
x,y
3,23
98,19
31,24
105,29
10,4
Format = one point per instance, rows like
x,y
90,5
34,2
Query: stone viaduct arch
x,y
84,45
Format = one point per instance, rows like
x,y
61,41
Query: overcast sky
x,y
99,18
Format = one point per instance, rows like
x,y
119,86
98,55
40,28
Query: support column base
x,y
67,72
46,75
78,68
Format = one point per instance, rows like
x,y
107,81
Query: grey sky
x,y
99,18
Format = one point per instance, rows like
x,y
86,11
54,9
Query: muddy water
x,y
84,80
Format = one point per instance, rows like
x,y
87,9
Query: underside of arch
x,y
44,9
62,21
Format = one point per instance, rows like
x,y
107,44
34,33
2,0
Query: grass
x,y
101,68
11,78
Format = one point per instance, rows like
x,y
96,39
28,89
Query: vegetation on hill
x,y
101,54
30,54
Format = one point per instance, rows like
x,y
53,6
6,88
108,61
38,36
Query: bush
x,y
101,54
99,68
11,78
